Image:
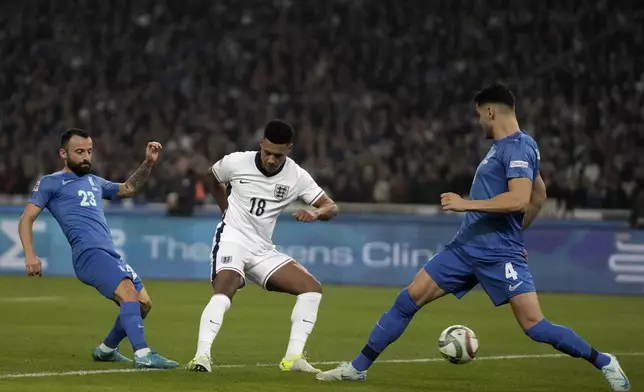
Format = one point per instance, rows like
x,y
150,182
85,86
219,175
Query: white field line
x,y
30,299
417,360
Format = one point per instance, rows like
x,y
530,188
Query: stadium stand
x,y
380,92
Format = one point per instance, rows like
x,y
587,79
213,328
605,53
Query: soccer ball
x,y
458,344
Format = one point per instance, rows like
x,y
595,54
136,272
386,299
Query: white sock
x,y
106,349
211,320
142,352
305,313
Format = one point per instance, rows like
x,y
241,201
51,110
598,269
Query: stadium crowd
x,y
379,91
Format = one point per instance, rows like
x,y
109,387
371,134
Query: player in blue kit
x,y
505,197
74,197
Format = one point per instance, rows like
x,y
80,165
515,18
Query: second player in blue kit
x,y
75,197
505,197
488,248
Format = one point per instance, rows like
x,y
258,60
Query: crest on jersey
x,y
226,259
36,186
489,156
91,182
280,191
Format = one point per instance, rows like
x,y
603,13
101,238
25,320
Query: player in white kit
x,y
262,184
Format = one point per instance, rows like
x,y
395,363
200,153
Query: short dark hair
x,y
68,134
495,93
279,132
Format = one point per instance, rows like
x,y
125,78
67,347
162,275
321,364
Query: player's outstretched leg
x,y
528,313
225,286
291,278
388,329
132,323
108,350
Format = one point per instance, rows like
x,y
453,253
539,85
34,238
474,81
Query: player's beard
x,y
81,168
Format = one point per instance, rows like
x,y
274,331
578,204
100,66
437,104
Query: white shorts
x,y
259,267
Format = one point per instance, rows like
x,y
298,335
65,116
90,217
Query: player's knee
x,y
146,307
539,331
418,294
227,282
527,310
423,289
312,286
126,292
309,285
529,321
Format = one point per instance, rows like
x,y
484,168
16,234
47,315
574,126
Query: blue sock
x,y
116,335
387,330
133,324
567,341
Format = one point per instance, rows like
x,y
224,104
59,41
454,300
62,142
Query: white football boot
x,y
615,375
344,372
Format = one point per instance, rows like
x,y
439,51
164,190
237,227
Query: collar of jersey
x,y
508,138
68,175
258,163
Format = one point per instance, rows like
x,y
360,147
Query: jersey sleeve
x,y
223,169
42,192
521,161
110,189
309,191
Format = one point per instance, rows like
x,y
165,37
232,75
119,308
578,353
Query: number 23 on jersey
x,y
87,198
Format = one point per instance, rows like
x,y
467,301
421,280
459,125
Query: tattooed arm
x,y
136,181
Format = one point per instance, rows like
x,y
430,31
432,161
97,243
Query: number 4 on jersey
x,y
510,273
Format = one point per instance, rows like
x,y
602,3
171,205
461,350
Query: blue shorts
x,y
104,270
458,268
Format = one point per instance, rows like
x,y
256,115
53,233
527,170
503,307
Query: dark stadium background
x,y
379,91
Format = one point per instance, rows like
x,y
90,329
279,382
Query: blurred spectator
x,y
636,219
379,91
182,190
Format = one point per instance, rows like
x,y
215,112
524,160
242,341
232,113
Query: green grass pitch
x,y
51,325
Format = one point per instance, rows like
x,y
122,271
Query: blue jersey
x,y
515,156
76,204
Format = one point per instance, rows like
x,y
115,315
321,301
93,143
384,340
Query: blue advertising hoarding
x,y
363,249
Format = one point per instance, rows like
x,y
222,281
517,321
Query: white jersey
x,y
257,199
